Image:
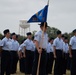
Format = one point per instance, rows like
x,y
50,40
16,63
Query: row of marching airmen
x,y
8,51
56,54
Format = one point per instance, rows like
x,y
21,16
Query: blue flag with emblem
x,y
40,16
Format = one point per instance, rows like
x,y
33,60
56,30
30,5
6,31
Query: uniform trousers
x,y
73,63
68,63
22,64
28,62
14,60
5,62
42,68
65,62
58,63
49,65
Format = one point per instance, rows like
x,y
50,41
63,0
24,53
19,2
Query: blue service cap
x,y
13,34
43,23
29,33
74,31
6,31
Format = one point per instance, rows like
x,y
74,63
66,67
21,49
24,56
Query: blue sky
x,y
61,14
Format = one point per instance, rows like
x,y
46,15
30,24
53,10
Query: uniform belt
x,y
28,50
59,49
6,50
74,49
13,51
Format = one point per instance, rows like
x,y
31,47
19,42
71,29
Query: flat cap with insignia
x,y
43,23
74,31
29,33
6,31
13,34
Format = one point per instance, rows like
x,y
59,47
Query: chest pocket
x,y
9,44
75,42
57,43
28,44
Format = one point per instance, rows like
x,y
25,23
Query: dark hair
x,y
58,32
63,36
51,39
33,38
66,38
6,31
17,36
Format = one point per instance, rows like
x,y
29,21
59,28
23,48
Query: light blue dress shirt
x,y
73,42
49,48
29,44
43,41
15,45
58,43
65,48
6,44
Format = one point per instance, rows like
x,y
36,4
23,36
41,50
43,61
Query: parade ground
x,y
19,73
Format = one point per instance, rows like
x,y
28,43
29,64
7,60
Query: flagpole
x,y
40,53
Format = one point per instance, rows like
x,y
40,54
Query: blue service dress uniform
x,y
29,47
5,55
22,59
73,59
58,43
14,56
50,58
65,56
43,41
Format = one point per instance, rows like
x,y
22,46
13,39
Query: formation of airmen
x,y
55,52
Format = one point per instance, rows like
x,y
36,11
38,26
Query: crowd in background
x,y
59,49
